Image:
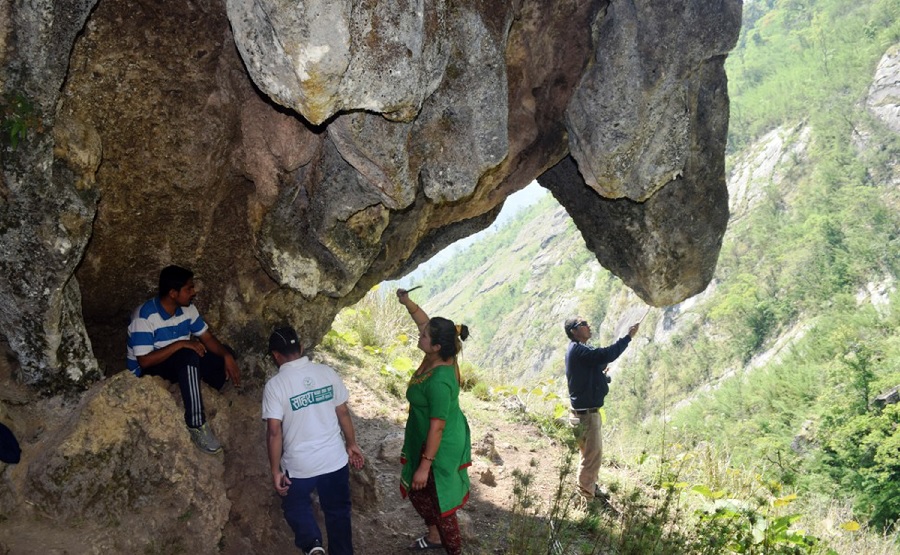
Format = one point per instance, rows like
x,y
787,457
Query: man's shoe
x,y
578,502
598,492
317,551
204,439
603,498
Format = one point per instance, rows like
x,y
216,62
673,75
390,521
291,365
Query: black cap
x,y
284,340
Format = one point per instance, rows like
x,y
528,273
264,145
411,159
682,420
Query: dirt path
x,y
486,517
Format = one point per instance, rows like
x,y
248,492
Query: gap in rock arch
x,y
513,284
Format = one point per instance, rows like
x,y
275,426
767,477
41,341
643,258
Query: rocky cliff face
x,y
294,155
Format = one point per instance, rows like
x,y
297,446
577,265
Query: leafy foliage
x,y
862,454
17,116
669,516
796,56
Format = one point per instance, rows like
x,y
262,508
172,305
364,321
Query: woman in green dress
x,y
437,446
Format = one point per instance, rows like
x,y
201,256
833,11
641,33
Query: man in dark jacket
x,y
586,368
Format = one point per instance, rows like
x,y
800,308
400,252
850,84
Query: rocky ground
x,y
37,519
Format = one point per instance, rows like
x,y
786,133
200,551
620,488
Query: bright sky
x,y
513,205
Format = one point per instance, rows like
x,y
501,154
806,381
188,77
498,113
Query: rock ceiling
x,y
295,154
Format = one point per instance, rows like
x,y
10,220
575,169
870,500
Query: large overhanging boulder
x,y
295,154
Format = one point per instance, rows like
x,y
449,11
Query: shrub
x,y
17,116
482,391
468,376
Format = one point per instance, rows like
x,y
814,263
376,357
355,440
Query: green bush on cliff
x,y
18,116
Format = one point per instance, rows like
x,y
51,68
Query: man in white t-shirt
x,y
306,414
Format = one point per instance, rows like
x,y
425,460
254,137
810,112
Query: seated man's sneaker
x,y
317,551
204,439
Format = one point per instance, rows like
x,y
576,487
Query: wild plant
x,y
18,116
658,512
536,528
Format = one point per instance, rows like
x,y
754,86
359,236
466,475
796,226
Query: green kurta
x,y
436,395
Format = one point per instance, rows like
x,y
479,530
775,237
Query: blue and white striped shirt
x,y
152,328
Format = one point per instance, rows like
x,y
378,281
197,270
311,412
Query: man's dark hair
x,y
173,277
285,341
569,326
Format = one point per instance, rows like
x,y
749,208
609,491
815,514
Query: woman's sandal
x,y
423,543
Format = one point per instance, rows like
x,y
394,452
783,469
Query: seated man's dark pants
x,y
187,368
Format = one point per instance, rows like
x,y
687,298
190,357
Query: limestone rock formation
x,y
883,100
295,154
45,208
116,472
123,449
884,94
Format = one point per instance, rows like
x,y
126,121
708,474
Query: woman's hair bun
x,y
463,331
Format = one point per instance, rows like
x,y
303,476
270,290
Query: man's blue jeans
x,y
334,498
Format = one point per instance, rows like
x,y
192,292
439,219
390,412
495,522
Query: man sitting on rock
x,y
167,337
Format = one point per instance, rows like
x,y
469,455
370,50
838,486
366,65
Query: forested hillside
x,y
779,366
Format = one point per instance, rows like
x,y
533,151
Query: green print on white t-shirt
x,y
312,397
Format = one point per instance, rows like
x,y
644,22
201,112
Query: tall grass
x,y
671,499
666,497
655,510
